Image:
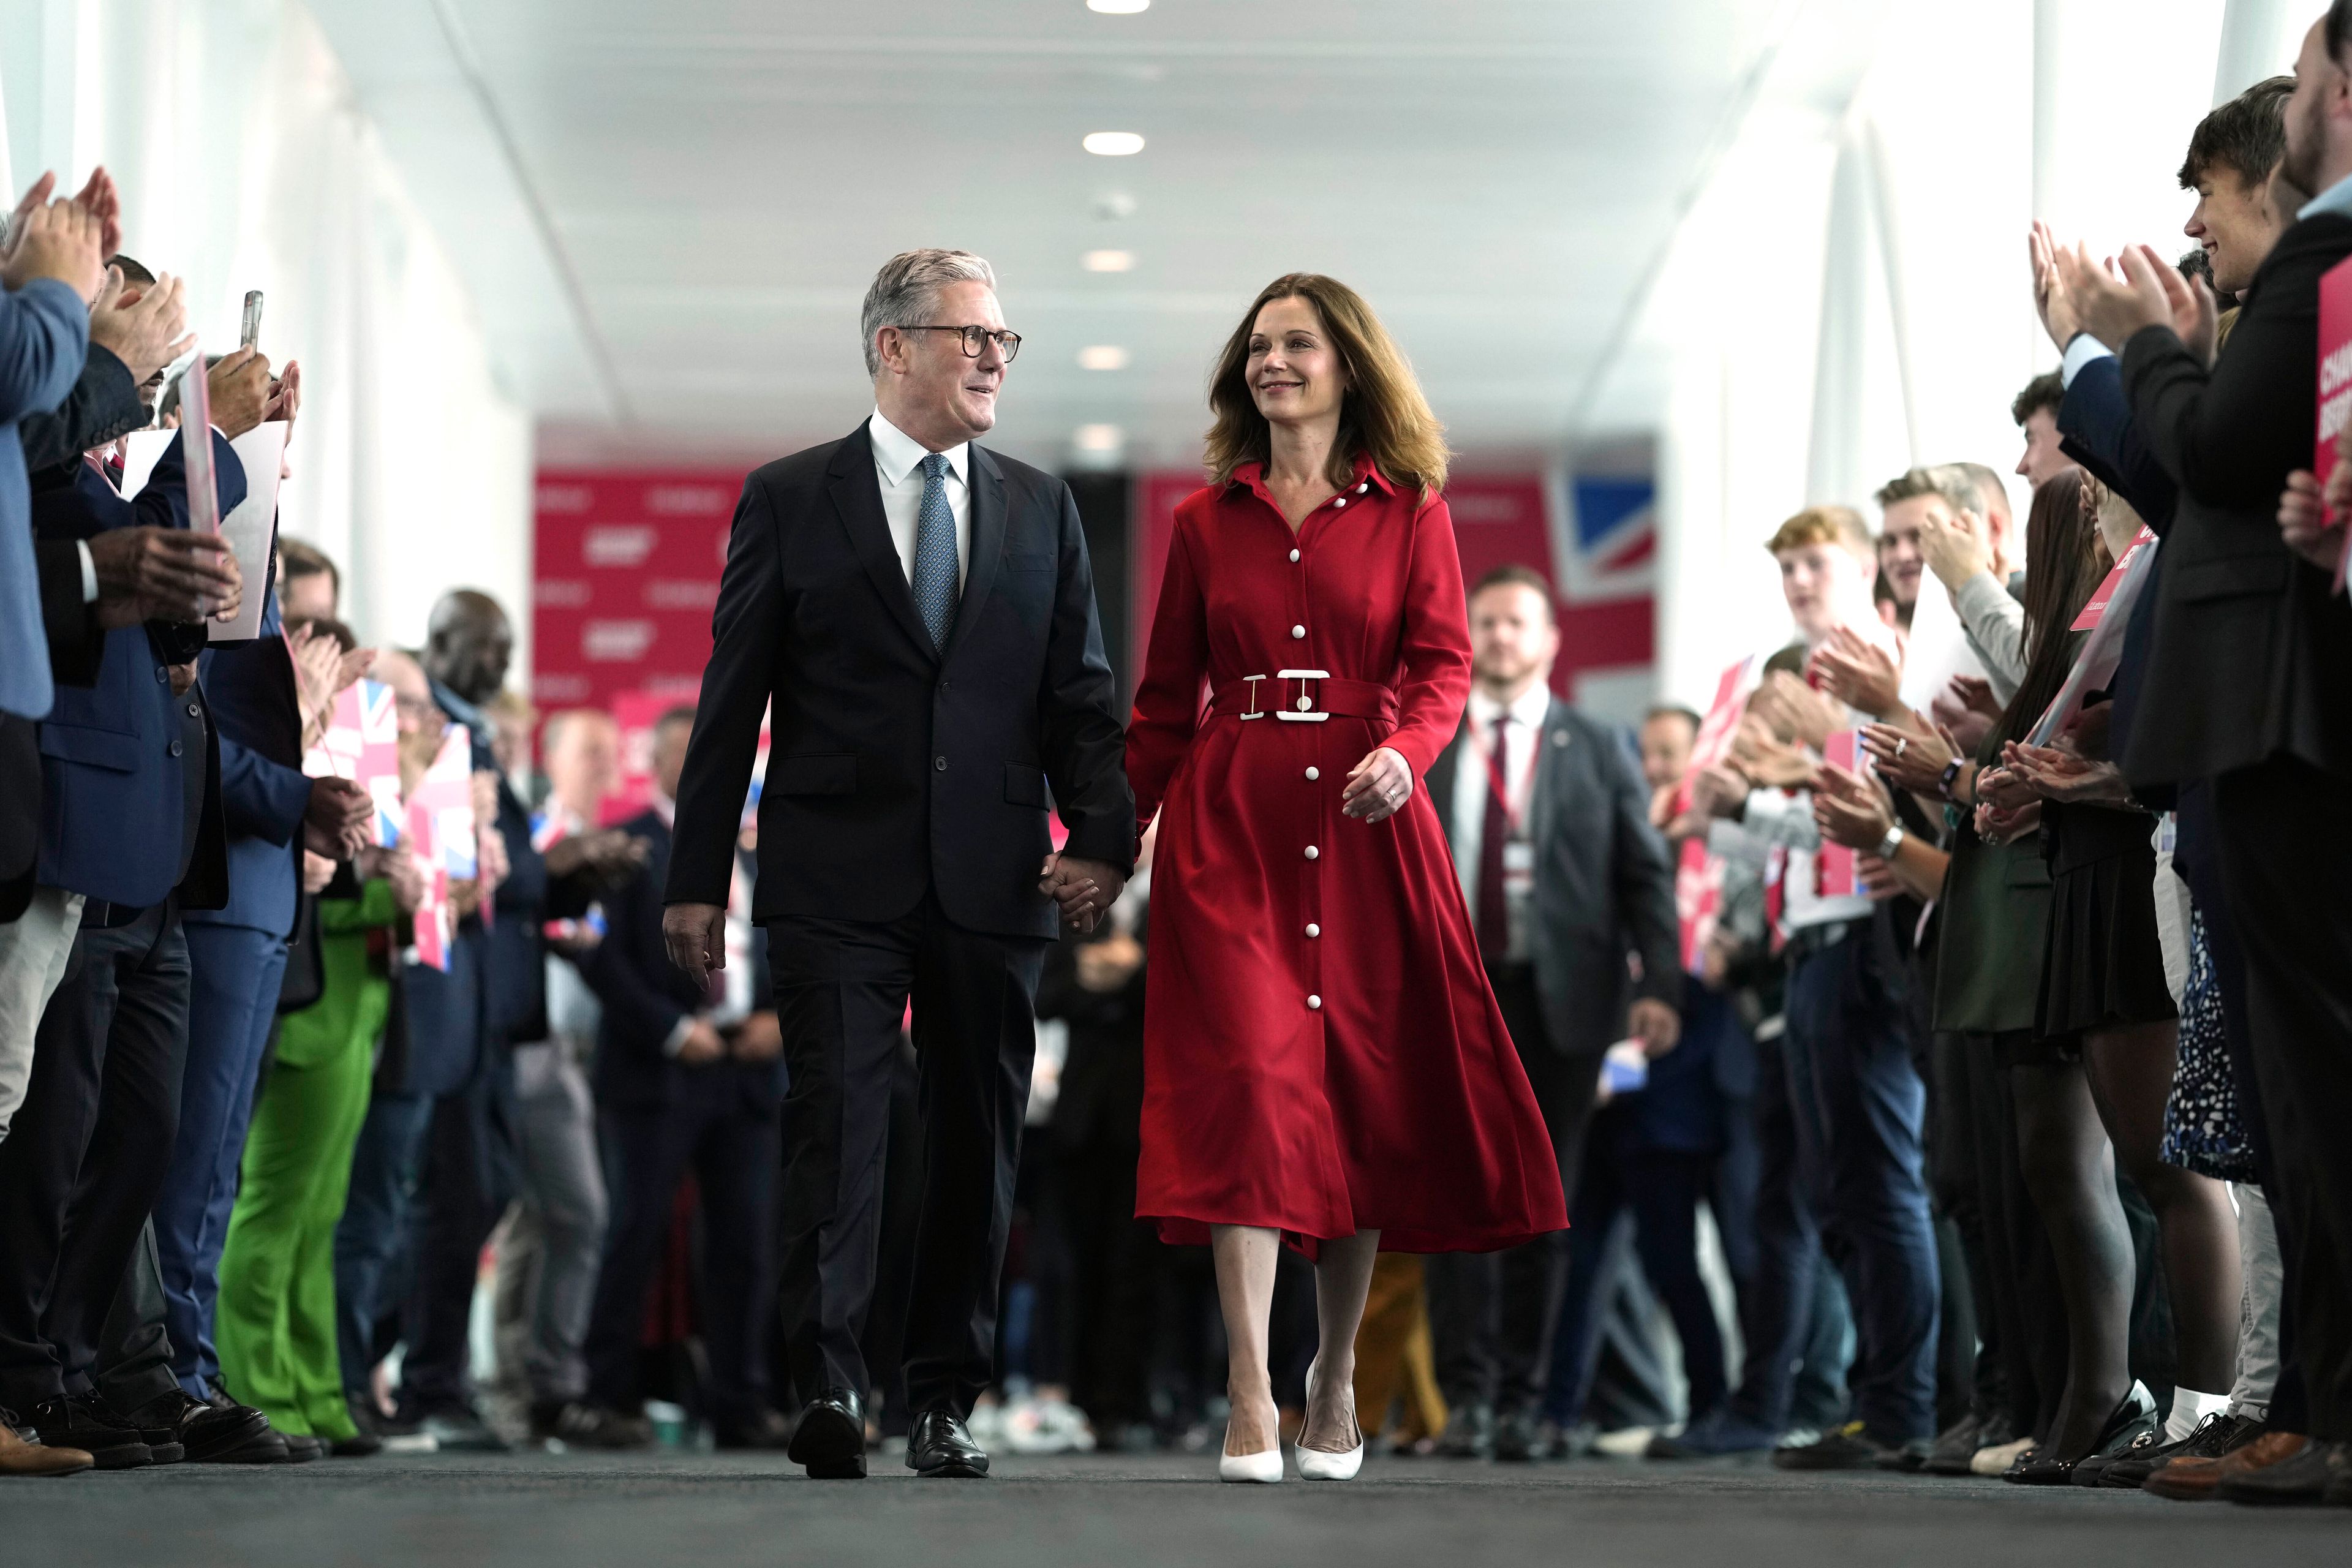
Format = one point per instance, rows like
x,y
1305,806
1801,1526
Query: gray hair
x,y
906,291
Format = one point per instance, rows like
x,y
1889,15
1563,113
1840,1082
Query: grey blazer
x,y
1605,882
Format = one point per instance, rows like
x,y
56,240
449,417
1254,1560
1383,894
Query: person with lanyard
x,y
1548,818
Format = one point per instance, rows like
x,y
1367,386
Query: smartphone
x,y
252,332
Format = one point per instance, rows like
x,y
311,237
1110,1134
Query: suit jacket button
x,y
161,673
938,764
175,748
943,688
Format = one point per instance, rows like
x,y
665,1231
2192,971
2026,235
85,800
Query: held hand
x,y
758,1038
696,936
1378,786
318,870
339,818
702,1046
148,332
2303,521
1658,1026
239,389
2055,306
1085,890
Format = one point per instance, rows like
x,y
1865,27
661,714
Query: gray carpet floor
x,y
715,1510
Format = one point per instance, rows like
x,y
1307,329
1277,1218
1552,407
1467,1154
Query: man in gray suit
x,y
1573,896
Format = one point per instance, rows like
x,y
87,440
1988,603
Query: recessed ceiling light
x,y
1108,260
1112,144
1099,439
1102,356
1119,7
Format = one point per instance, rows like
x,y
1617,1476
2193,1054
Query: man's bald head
x,y
469,644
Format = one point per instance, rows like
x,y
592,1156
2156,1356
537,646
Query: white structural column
x,y
2258,39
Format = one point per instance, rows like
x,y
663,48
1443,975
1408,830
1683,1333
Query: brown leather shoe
x,y
18,1457
2196,1480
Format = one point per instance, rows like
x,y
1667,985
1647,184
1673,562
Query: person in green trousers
x,y
274,1324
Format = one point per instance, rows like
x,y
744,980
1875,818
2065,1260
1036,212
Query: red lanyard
x,y
1512,812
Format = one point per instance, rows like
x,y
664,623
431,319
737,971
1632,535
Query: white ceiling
x,y
668,213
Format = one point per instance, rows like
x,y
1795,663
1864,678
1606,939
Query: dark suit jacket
x,y
2250,651
76,644
2095,430
1605,882
103,406
253,691
113,754
894,768
644,995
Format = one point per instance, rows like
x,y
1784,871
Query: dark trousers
x,y
2285,843
1115,1276
2017,1277
1491,1314
842,987
2198,861
1794,1317
1959,1105
86,1155
1859,1110
469,1179
134,1348
233,998
1661,1188
732,1143
372,1235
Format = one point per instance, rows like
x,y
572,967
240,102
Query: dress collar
x,y
1252,476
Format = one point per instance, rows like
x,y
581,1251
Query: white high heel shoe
x,y
1319,1464
1265,1467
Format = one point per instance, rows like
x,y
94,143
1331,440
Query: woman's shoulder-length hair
x,y
1384,416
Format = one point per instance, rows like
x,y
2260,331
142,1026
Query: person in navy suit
x,y
688,1078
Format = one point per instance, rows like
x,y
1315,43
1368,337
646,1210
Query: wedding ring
x,y
1902,744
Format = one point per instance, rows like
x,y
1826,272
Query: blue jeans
x,y
232,1001
374,1225
1860,1107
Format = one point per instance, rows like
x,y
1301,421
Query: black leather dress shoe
x,y
830,1440
204,1431
940,1444
82,1423
2131,1420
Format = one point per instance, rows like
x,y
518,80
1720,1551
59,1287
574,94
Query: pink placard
x,y
1834,868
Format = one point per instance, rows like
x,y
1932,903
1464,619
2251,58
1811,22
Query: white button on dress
x,y
1294,555
1315,1002
1340,501
1299,631
1313,853
1362,487
1314,930
1314,774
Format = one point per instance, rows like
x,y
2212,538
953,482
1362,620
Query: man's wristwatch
x,y
1951,776
1890,844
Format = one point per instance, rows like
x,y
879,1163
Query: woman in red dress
x,y
1323,1059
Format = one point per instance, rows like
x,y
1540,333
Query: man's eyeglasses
x,y
1007,343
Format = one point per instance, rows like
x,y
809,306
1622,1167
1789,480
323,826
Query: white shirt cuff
x,y
679,1031
2080,352
89,572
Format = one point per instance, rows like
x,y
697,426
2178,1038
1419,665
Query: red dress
x,y
1322,1054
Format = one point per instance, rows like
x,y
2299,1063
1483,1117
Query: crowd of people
x,y
1932,1039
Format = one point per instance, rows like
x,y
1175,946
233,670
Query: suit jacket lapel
x,y
857,496
987,545
1553,759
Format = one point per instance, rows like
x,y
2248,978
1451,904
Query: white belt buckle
x,y
1254,710
1306,699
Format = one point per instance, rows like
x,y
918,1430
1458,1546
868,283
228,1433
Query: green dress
x,y
274,1324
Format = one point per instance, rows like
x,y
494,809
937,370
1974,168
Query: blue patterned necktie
x,y
935,551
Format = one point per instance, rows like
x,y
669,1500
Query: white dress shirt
x,y
1467,813
899,468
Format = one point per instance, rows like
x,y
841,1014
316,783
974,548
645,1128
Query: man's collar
x,y
2336,198
1528,710
899,454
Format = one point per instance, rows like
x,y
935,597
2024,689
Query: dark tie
x,y
1494,908
935,551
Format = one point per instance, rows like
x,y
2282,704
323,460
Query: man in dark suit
x,y
919,612
1549,823
688,1079
2253,657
